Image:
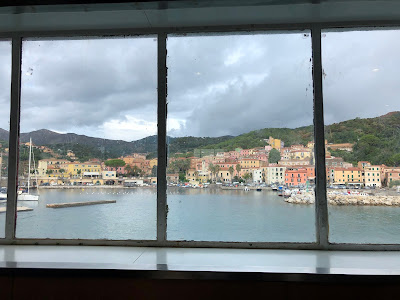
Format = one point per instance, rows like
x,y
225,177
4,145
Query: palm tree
x,y
216,170
231,170
238,169
211,169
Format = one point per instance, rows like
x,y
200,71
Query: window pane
x,y
240,120
5,91
90,109
361,103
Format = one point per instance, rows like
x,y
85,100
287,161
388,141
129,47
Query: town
x,y
273,164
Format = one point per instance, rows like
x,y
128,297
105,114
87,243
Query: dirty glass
x,y
88,145
241,146
361,71
5,93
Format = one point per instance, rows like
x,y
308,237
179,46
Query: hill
x,y
375,139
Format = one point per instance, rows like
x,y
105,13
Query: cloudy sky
x,y
217,85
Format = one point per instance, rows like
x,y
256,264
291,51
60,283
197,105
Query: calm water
x,y
199,214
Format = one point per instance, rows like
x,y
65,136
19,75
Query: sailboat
x,y
26,196
3,190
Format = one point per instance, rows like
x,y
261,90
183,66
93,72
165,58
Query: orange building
x,y
296,176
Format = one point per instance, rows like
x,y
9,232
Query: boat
x,y
246,189
258,190
3,193
26,195
274,188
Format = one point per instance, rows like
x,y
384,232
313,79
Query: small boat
x,y
246,189
25,195
274,188
258,190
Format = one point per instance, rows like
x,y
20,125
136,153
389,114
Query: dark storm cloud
x,y
234,84
85,84
217,85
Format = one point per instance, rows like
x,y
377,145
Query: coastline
x,y
370,200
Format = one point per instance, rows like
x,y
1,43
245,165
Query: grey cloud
x,y
86,83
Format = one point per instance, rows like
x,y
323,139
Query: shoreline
x,y
341,200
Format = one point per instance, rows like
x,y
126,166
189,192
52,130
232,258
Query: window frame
x,y
321,206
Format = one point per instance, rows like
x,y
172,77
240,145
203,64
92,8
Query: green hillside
x,y
376,139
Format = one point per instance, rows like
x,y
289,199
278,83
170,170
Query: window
x,y
5,83
104,89
210,99
362,64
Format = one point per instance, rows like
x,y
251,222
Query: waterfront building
x,y
348,176
372,176
296,177
392,176
107,175
275,174
84,169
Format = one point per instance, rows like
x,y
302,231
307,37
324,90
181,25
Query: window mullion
x,y
14,138
162,138
321,204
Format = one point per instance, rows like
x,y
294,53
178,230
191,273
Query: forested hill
x,y
376,139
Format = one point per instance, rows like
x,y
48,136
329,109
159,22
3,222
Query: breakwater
x,y
341,199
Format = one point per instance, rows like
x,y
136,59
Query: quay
x,y
73,204
19,208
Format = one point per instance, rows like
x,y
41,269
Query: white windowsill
x,y
202,260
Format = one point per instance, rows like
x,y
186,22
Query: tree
x,y
154,171
247,176
49,172
216,170
238,169
231,170
211,169
115,163
274,156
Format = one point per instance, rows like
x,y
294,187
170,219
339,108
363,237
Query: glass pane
x,y
361,103
89,125
241,159
5,92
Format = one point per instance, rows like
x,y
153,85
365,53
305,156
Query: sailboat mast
x,y
29,164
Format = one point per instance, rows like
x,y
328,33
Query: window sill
x,y
197,263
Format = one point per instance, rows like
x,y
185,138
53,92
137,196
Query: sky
x,y
217,85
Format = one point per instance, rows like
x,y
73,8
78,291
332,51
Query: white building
x,y
275,174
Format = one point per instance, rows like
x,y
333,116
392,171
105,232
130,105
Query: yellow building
x,y
247,163
75,168
348,175
152,163
275,143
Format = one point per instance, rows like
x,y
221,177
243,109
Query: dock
x,y
19,208
74,204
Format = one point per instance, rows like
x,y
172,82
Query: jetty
x,y
347,199
19,208
74,204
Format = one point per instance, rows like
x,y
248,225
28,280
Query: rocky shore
x,y
375,200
